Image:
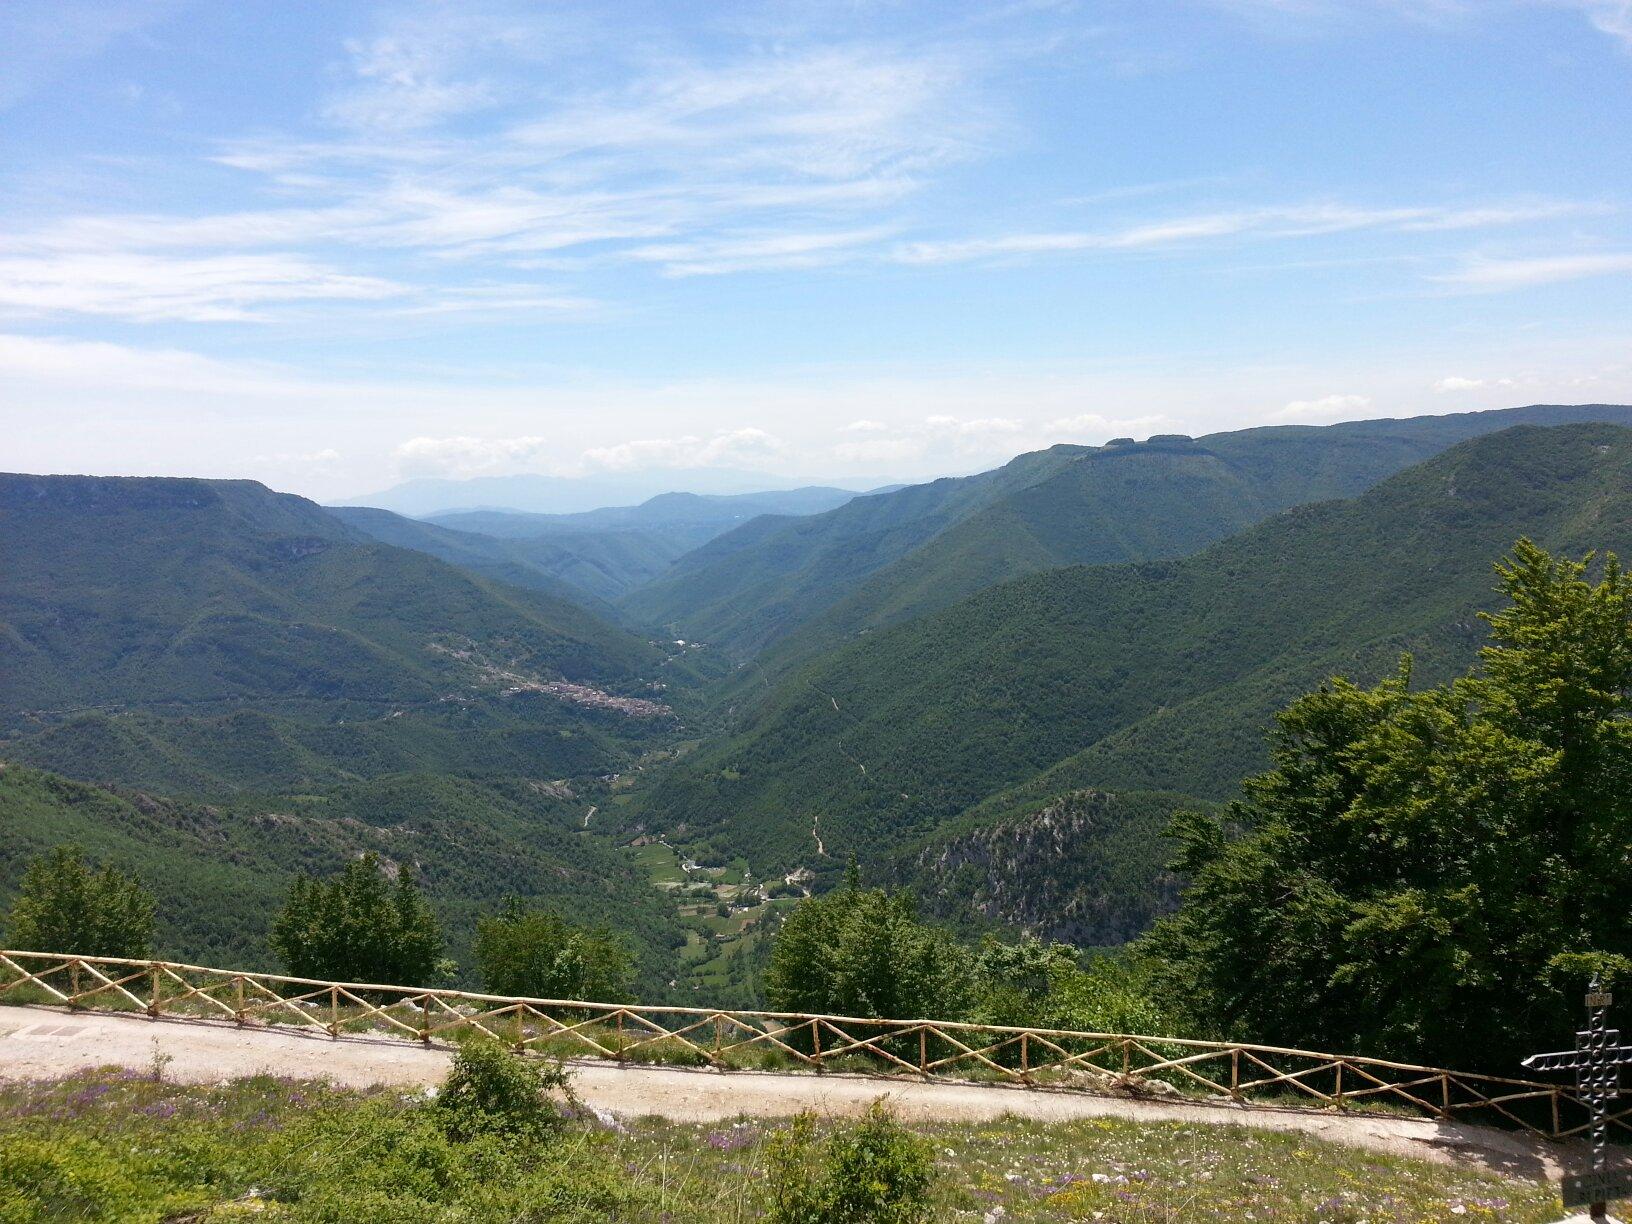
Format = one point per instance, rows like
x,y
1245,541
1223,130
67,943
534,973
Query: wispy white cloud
x,y
1094,426
1326,408
1612,17
694,164
965,439
147,288
759,253
462,456
1485,274
1293,221
727,448
41,41
1457,383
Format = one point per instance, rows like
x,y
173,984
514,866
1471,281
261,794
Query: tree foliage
x,y
67,905
863,952
540,955
1427,872
361,926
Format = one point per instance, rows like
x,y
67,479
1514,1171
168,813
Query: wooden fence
x,y
1033,1057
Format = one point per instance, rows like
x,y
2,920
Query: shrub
x,y
65,905
493,1092
359,927
876,1172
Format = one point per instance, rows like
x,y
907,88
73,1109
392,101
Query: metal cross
x,y
1597,1061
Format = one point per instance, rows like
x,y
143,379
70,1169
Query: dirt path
x,y
41,1042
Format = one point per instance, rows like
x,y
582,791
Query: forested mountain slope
x,y
1086,867
758,582
893,556
591,557
220,871
588,569
162,610
1155,676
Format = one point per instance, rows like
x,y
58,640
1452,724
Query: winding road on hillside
x,y
44,1042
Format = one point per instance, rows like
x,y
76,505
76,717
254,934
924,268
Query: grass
x,y
129,1146
659,862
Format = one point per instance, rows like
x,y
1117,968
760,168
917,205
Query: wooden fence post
x,y
238,999
334,1011
425,1017
816,1042
153,987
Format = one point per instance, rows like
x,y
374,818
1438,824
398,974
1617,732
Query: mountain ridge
x,y
892,735
780,595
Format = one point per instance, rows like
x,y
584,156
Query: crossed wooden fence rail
x,y
1033,1057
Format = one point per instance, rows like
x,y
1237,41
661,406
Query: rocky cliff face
x,y
1088,868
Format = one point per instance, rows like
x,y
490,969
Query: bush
x,y
493,1092
65,905
876,1172
538,954
359,927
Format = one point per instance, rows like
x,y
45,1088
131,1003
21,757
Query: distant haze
x,y
572,495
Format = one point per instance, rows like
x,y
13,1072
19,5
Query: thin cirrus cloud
x,y
461,456
691,168
1297,221
460,148
1493,275
459,152
218,288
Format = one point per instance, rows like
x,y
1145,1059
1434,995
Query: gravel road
x,y
41,1042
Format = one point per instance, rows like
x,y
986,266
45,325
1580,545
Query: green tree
x,y
863,952
1427,873
66,905
359,927
540,955
1012,982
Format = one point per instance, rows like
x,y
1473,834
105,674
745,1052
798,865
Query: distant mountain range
x,y
593,557
1137,677
535,494
195,634
995,689
811,583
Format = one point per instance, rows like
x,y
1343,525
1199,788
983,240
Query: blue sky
x,y
331,246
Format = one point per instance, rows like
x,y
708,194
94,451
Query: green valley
x,y
1151,677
